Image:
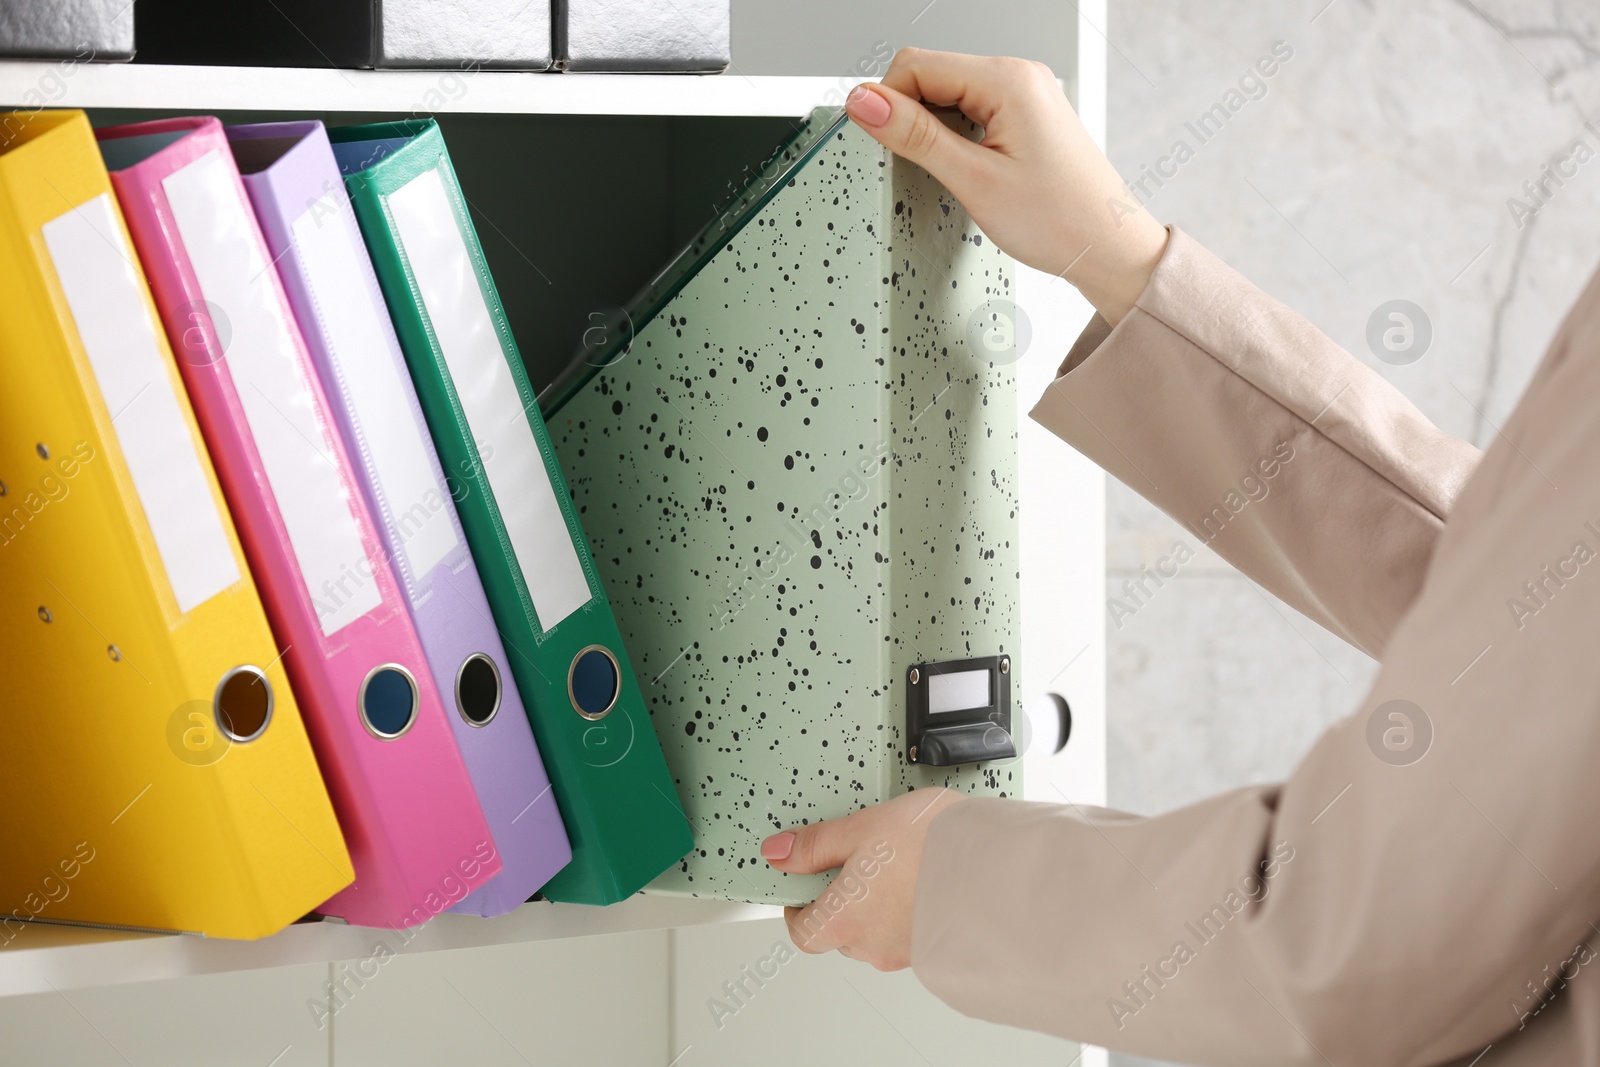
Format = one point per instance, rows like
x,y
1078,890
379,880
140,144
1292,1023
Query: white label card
x,y
958,691
513,465
280,407
94,264
355,325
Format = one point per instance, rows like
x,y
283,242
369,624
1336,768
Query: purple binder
x,y
299,198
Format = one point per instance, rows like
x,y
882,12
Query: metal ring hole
x,y
478,689
594,681
388,701
243,703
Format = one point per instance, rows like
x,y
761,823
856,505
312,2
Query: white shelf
x,y
42,958
31,84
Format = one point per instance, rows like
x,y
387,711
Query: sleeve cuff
x,y
1093,335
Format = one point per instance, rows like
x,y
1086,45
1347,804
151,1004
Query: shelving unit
x,y
582,186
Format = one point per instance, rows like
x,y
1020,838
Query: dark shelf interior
x,y
575,213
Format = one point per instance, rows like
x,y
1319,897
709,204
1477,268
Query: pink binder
x,y
299,199
417,836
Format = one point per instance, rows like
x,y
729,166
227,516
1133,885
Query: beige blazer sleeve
x,y
1420,891
1292,459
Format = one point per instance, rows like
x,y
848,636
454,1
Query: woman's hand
x,y
866,912
1037,185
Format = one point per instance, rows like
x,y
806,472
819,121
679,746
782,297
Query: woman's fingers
x,y
1037,184
978,85
822,846
812,850
907,128
867,908
810,929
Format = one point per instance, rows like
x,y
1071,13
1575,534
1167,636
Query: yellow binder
x,y
154,771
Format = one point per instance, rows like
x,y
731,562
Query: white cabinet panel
x,y
1063,520
738,1001
583,1002
255,1017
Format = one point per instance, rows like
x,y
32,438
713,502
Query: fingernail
x,y
867,107
777,847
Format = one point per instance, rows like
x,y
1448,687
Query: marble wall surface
x,y
1385,160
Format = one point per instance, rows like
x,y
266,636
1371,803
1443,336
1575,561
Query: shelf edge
x,y
43,958
31,84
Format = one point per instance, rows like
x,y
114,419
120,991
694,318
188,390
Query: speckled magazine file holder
x,y
311,232
416,833
798,473
622,813
126,607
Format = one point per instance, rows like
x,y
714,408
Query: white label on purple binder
x,y
280,407
355,325
94,264
444,275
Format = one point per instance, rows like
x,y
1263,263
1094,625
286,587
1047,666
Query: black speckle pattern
x,y
799,483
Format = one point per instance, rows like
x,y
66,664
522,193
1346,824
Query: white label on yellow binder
x,y
235,276
94,263
515,469
356,326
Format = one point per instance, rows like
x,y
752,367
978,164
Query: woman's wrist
x,y
1113,273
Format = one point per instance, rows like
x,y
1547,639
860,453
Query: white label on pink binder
x,y
355,324
290,431
94,263
515,469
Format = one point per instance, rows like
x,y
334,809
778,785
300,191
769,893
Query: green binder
x,y
795,456
611,781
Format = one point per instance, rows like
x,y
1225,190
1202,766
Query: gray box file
x,y
687,36
66,29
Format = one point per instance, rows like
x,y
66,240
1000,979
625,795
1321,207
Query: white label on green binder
x,y
280,407
105,293
513,465
356,327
